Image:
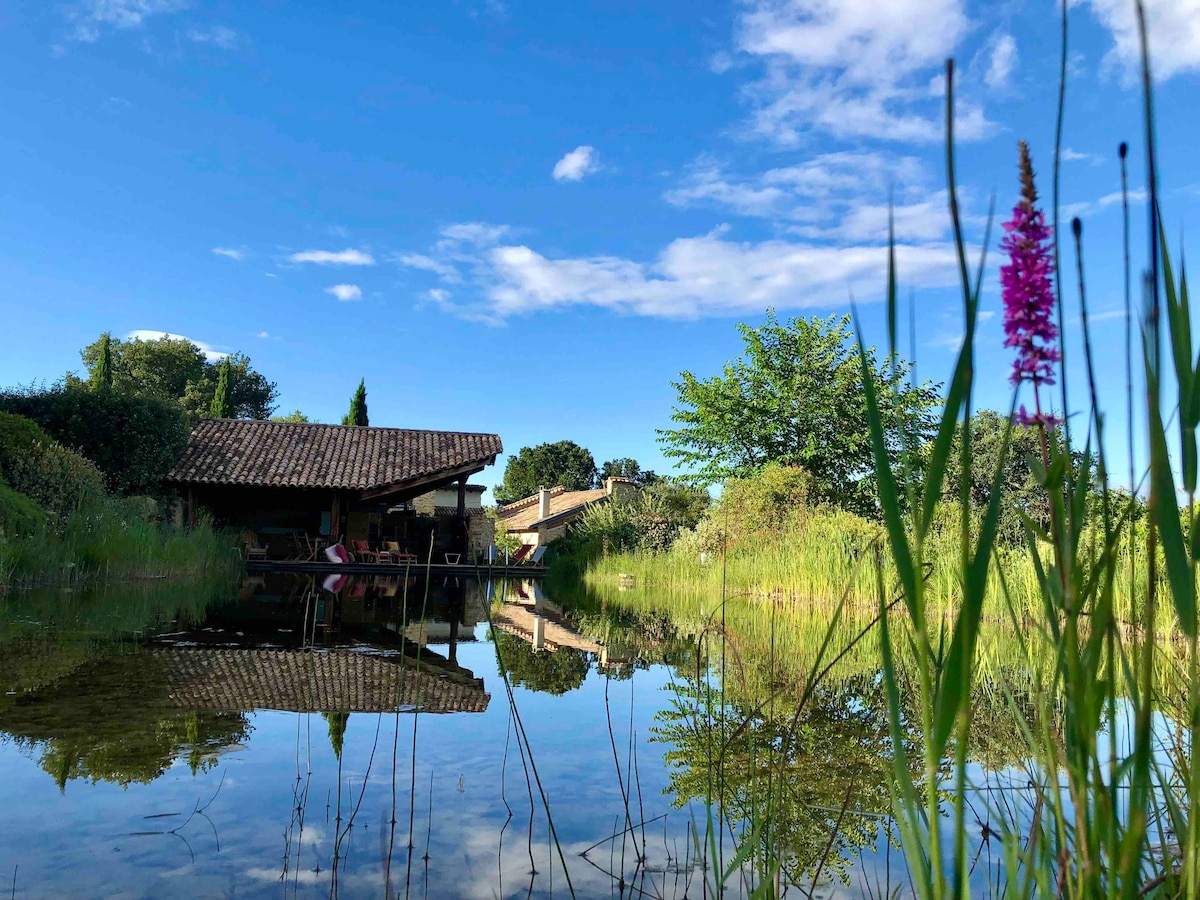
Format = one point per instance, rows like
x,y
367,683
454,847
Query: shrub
x,y
18,437
134,440
59,480
769,500
20,516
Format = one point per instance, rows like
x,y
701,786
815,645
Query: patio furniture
x,y
492,554
362,552
520,553
392,553
251,548
452,559
535,558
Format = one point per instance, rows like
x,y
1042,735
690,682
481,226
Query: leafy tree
x,y
222,406
626,468
176,369
1020,487
133,439
337,722
104,374
295,417
251,396
358,406
562,463
796,397
161,368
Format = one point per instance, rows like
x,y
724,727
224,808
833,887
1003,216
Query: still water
x,y
291,736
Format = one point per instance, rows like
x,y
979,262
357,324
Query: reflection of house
x,y
349,482
545,516
230,679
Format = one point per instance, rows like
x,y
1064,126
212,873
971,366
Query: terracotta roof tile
x,y
523,514
288,454
311,681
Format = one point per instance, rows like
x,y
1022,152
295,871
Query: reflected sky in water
x,y
355,738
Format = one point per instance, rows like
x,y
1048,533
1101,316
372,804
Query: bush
x,y
770,500
134,440
18,437
20,516
57,479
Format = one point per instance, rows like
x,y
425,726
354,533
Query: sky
x,y
529,218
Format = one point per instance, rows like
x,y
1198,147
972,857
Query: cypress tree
x,y
103,378
222,403
358,407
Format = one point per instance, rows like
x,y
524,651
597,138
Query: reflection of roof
x,y
523,514
519,620
240,451
311,681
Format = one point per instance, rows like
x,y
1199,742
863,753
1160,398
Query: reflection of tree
x,y
112,720
337,722
804,772
548,672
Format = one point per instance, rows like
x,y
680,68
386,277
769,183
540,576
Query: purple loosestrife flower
x,y
1028,295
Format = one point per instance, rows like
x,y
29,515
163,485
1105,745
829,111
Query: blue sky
x,y
529,217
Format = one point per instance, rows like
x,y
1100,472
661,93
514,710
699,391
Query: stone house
x,y
545,516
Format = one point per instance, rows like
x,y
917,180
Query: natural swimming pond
x,y
397,737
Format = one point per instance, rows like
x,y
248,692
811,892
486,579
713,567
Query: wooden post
x,y
335,517
191,507
461,519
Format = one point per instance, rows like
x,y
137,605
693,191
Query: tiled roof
x,y
289,454
523,514
311,681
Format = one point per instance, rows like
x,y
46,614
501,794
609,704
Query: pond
x,y
358,737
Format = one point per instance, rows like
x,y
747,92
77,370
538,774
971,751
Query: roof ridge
x,y
524,502
207,421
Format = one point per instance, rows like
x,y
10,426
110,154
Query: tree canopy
x,y
545,466
795,396
176,369
358,406
627,468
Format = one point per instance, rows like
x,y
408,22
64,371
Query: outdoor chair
x,y
520,553
535,558
363,552
251,548
392,553
493,553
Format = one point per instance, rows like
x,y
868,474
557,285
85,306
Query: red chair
x,y
521,553
363,551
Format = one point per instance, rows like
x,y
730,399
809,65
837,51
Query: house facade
x,y
340,482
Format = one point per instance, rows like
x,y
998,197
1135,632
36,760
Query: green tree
x,y
175,369
161,368
562,463
358,406
1020,487
104,373
796,397
627,468
295,417
545,671
251,395
222,405
337,722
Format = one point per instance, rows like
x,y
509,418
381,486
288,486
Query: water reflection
x,y
393,736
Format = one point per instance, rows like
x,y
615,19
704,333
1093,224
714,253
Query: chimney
x,y
544,503
620,488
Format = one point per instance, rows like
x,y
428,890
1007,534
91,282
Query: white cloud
x,y
834,196
853,68
1069,155
1086,208
576,164
145,334
479,233
217,35
1003,61
1174,32
231,252
707,275
441,268
345,292
348,257
92,17
263,334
